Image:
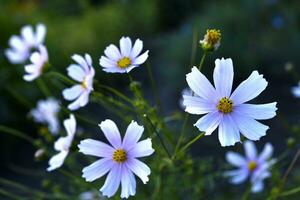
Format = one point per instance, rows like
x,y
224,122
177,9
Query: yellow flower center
x,y
84,84
120,155
225,105
252,165
124,62
213,36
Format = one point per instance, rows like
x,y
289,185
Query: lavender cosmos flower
x,y
63,144
83,72
46,112
126,59
227,110
254,166
21,46
296,90
119,159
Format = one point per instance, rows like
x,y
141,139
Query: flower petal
x,y
81,61
237,176
296,91
27,34
209,122
197,105
57,160
141,59
125,46
81,101
249,89
112,181
112,52
73,92
261,111
132,135
111,132
257,186
228,132
128,183
97,169
70,125
141,149
40,34
76,72
136,49
235,159
223,77
266,153
250,150
201,86
95,148
105,62
139,168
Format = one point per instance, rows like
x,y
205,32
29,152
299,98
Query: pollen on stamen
x,y
124,62
225,105
252,165
120,156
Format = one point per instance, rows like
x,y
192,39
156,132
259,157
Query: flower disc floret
x,y
120,155
225,105
124,62
252,165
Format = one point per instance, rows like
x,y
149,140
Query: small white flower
x,y
126,59
296,90
119,158
227,110
63,144
46,112
83,72
21,46
257,167
38,59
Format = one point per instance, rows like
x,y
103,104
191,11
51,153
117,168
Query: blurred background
x,y
261,35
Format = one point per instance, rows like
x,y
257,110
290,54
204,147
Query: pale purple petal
x,y
28,35
95,148
296,91
132,135
97,169
112,52
237,176
257,186
236,159
128,183
57,160
250,150
70,125
260,111
139,168
228,132
76,72
111,132
105,62
112,181
40,34
73,92
197,105
81,61
209,122
266,153
141,149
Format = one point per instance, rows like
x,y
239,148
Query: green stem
x,y
16,133
192,142
158,135
61,77
43,87
202,61
247,193
154,86
290,192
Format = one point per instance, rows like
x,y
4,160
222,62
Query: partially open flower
x,y
211,41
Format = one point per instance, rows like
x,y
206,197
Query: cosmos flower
x,y
39,60
226,110
21,46
211,41
63,144
119,158
82,72
296,91
46,112
257,167
126,59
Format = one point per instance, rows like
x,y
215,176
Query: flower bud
x,y
211,41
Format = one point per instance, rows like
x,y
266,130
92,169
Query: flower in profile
x,y
63,144
226,110
82,72
257,167
211,41
126,59
21,46
296,90
46,112
119,158
39,60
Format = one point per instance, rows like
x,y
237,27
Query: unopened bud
x,y
211,41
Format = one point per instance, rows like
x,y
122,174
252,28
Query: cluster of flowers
x,y
223,109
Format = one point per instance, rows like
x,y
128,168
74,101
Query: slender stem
x,y
247,193
192,142
290,192
61,77
202,61
154,86
43,87
158,135
16,133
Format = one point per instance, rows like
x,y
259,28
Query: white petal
x,y
260,111
257,186
237,176
132,135
16,57
17,44
70,125
27,34
73,92
141,59
249,127
114,70
201,86
35,57
95,148
197,105
209,122
250,150
40,34
128,183
249,89
223,77
228,132
235,159
112,52
97,169
141,149
81,61
30,77
63,143
105,62
31,68
125,46
112,181
81,101
296,91
111,132
139,168
266,153
136,49
76,72
129,68
57,160
88,59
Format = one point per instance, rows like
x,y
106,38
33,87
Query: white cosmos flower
x,y
21,46
296,90
126,59
82,72
63,144
227,110
257,167
46,112
119,158
39,60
